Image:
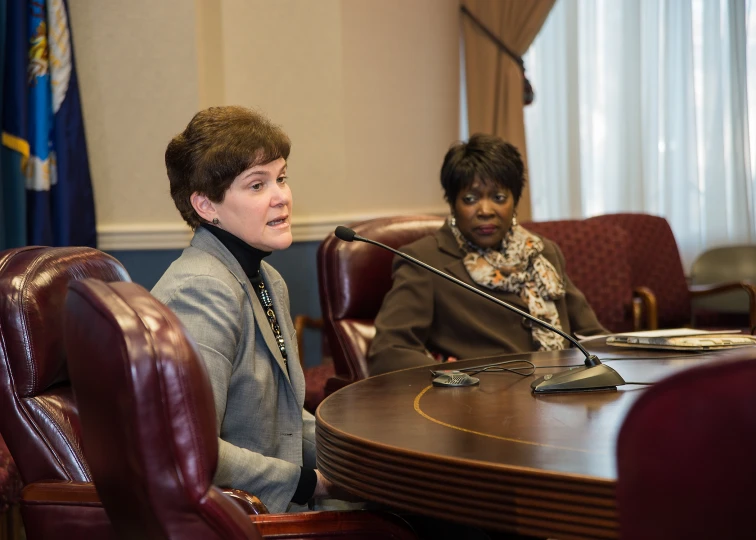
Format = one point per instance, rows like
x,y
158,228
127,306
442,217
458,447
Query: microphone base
x,y
582,379
455,378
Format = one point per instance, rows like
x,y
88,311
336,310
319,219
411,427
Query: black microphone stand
x,y
593,376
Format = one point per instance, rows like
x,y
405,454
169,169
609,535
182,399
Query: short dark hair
x,y
217,146
486,157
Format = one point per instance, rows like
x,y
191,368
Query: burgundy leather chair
x,y
147,416
657,273
685,455
149,429
39,419
353,278
597,263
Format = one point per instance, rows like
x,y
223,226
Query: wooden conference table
x,y
492,455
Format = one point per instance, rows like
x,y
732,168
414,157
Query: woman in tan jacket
x,y
425,316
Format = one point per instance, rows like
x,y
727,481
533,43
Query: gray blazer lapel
x,y
295,373
205,241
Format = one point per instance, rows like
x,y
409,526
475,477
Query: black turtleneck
x,y
250,258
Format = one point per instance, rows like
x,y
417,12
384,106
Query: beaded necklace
x,y
267,303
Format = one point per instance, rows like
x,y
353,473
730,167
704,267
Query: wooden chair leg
x,y
300,323
11,524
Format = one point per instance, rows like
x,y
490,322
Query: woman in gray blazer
x,y
227,173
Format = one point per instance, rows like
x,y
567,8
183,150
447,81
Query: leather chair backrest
x,y
655,263
597,262
39,419
147,415
685,455
353,278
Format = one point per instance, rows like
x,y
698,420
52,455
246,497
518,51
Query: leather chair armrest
x,y
698,291
249,503
63,493
649,307
64,510
346,525
85,494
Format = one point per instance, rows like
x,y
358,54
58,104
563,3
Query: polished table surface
x,y
492,455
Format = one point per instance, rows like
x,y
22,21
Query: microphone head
x,y
344,233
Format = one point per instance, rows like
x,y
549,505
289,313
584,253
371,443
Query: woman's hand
x,y
325,489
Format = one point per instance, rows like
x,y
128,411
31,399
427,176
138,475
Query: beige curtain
x,y
494,79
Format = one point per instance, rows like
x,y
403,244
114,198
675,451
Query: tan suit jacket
x,y
424,312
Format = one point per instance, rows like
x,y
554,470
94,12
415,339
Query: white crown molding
x,y
126,236
152,236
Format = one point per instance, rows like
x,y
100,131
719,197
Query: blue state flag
x,y
44,128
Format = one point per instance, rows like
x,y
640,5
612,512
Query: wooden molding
x,y
147,236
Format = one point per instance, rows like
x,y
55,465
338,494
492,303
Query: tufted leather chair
x,y
39,419
596,257
657,273
685,464
147,416
149,429
353,278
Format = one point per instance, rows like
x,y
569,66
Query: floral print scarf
x,y
519,267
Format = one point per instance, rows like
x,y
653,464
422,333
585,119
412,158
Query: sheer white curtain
x,y
643,106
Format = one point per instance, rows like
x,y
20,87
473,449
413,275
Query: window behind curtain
x,y
647,106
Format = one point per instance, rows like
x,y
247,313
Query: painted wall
x,y
367,89
137,66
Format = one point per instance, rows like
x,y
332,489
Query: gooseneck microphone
x,y
593,376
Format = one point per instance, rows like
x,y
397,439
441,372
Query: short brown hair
x,y
217,146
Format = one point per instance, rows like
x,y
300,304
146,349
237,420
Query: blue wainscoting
x,y
297,265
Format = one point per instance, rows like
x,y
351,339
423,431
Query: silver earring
x,y
514,220
453,221
215,221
